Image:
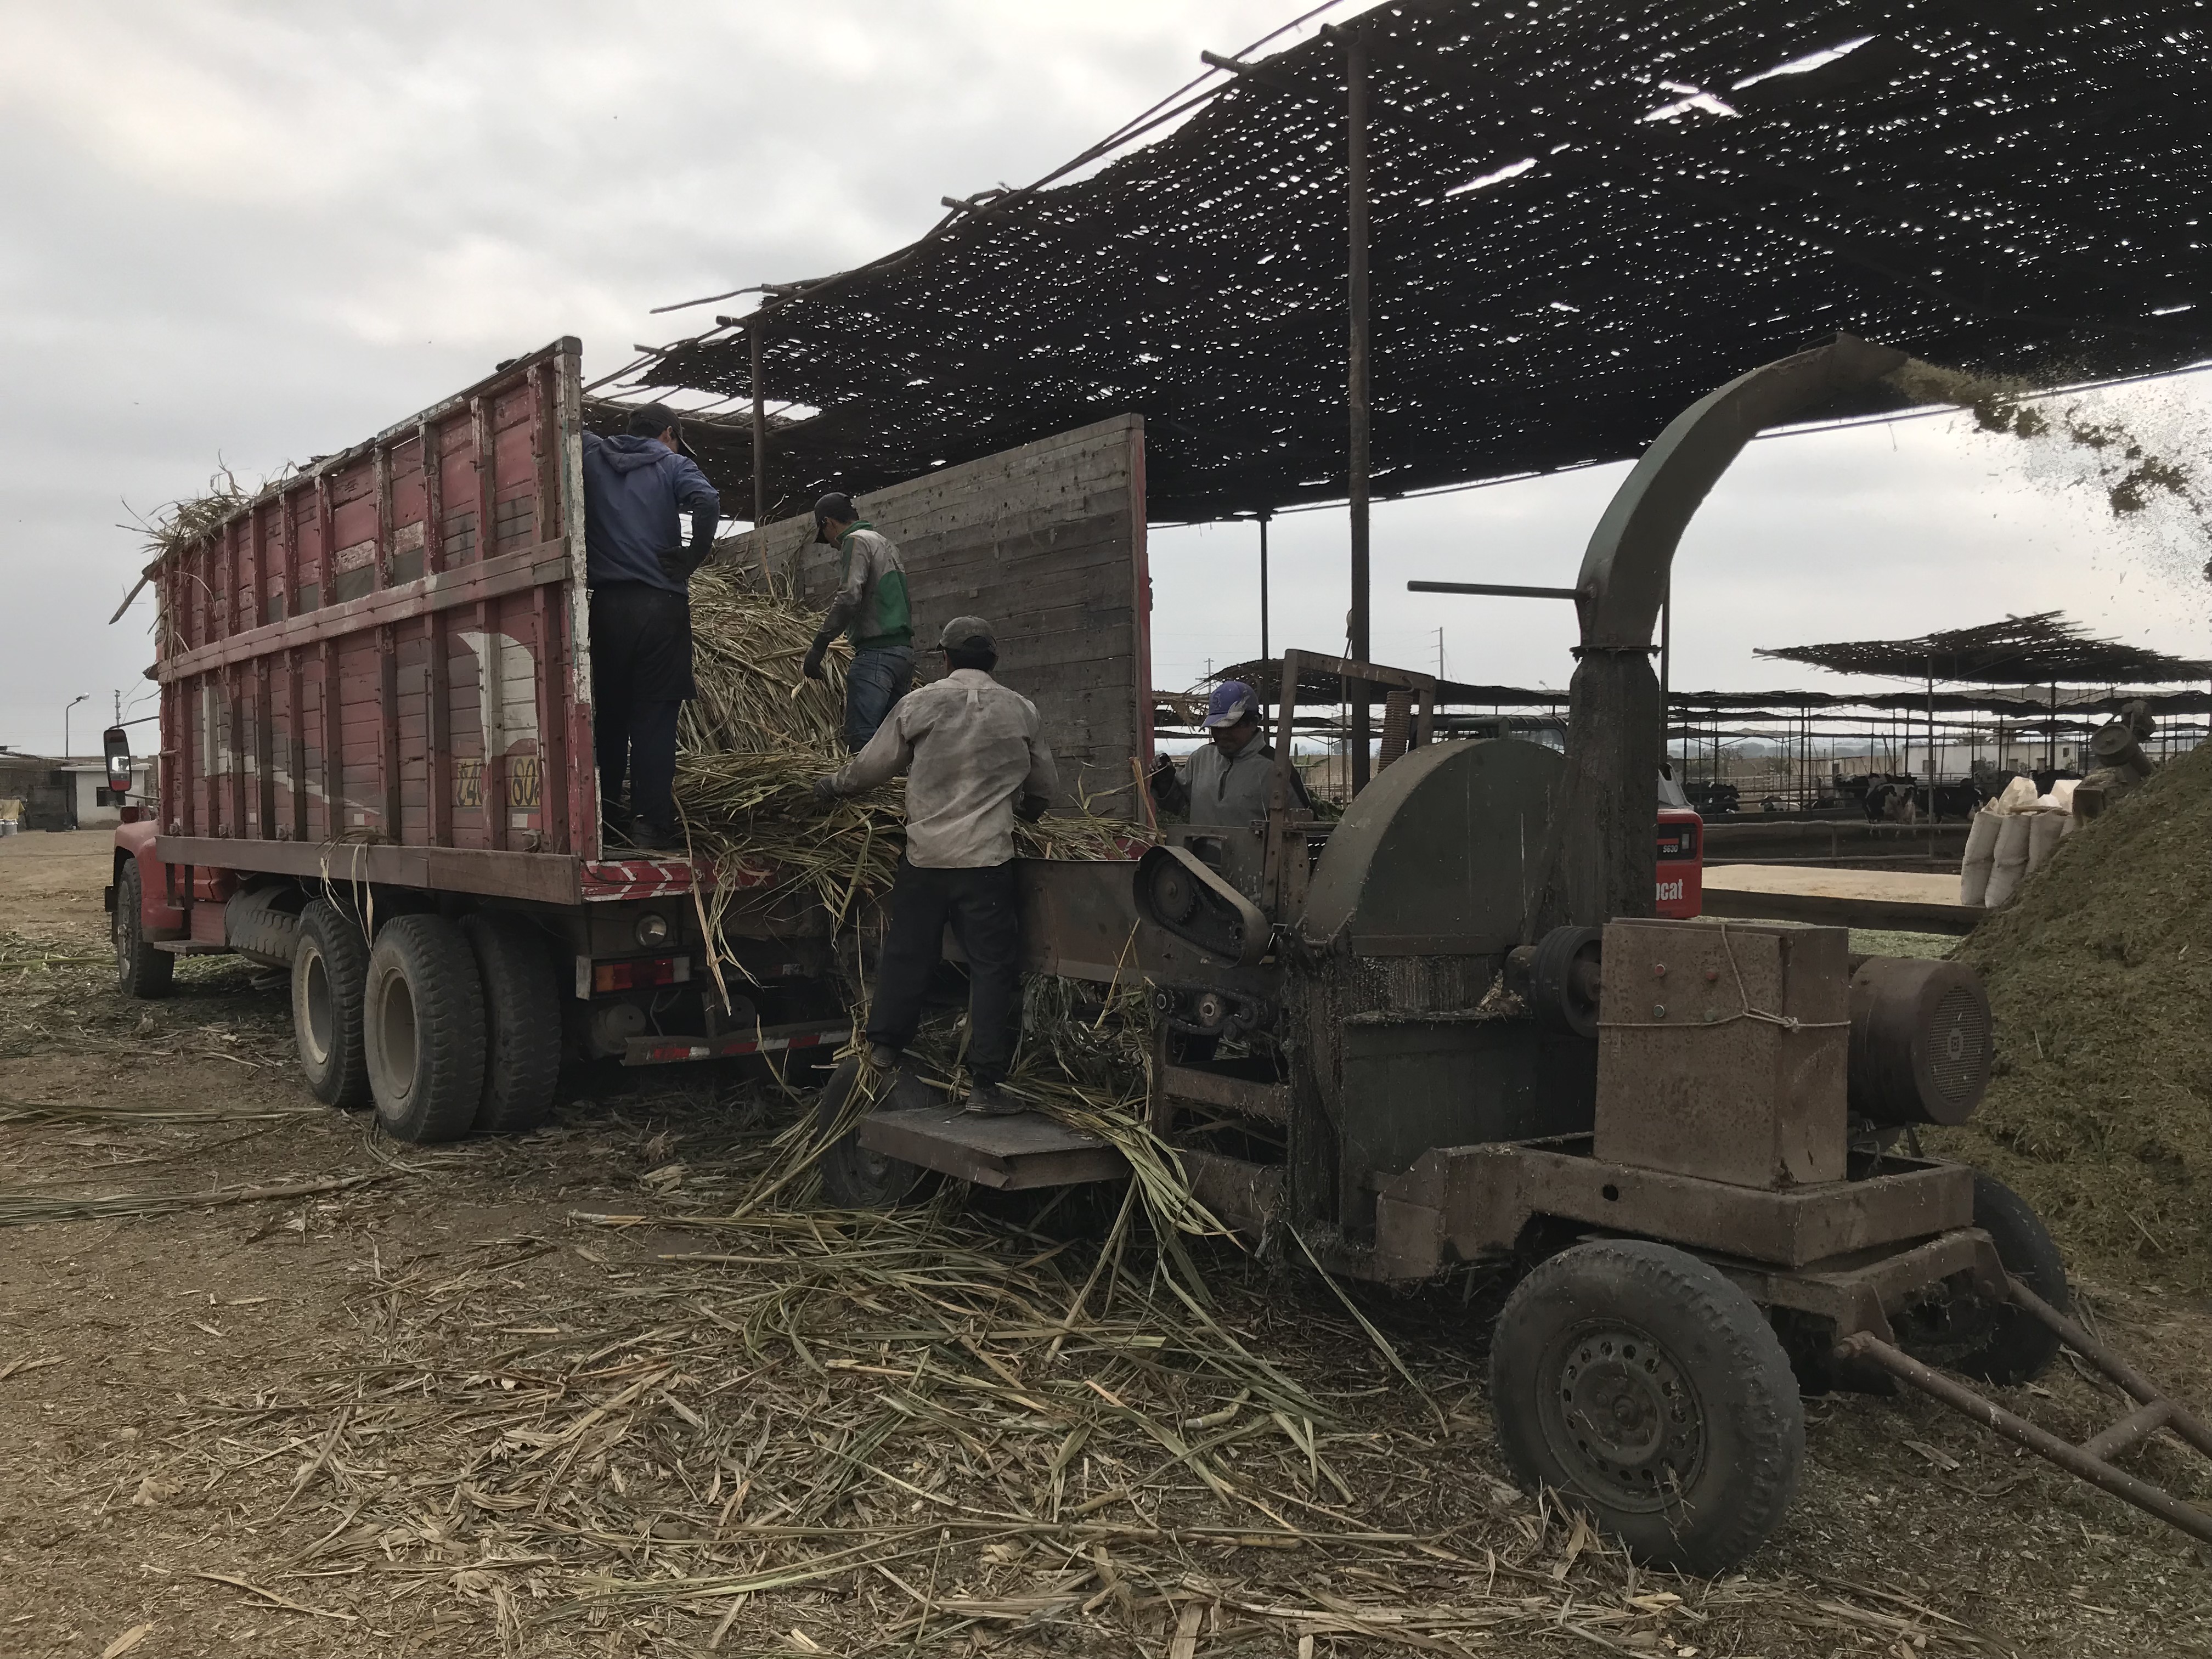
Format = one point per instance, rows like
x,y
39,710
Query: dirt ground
x,y
272,1384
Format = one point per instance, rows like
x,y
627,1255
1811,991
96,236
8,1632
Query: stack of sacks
x,y
2009,839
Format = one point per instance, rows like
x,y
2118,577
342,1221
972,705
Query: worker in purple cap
x,y
1226,782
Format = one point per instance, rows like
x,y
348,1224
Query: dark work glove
x,y
812,666
1031,808
825,789
678,565
1167,789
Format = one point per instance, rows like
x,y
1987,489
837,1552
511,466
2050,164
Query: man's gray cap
x,y
967,634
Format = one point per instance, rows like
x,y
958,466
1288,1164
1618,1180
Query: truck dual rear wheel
x,y
522,1021
1648,1390
140,970
330,970
423,1029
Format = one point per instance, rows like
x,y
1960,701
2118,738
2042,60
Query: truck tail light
x,y
640,975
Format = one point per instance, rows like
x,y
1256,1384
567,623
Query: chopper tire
x,y
853,1177
522,1021
140,970
329,974
423,1029
1650,1392
2020,1347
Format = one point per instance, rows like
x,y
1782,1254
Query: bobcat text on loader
x,y
1450,1029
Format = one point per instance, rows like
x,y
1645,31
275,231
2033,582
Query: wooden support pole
x,y
1358,646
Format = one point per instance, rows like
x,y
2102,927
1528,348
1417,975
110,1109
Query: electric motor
x,y
1920,1041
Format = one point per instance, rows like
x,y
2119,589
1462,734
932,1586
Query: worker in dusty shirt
x,y
1225,782
639,572
871,607
974,759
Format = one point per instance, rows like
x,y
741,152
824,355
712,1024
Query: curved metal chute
x,y
1603,862
1623,574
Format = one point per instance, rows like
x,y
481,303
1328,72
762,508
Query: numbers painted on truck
x,y
525,783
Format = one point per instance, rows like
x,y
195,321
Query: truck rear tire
x,y
1651,1392
522,1022
423,1029
330,969
140,970
853,1177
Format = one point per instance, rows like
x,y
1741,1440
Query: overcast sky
x,y
250,233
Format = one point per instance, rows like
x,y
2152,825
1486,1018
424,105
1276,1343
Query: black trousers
x,y
641,676
985,915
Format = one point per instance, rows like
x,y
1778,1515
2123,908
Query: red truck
x,y
376,720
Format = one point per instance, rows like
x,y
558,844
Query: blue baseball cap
x,y
1232,700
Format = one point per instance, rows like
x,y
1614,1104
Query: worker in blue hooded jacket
x,y
639,570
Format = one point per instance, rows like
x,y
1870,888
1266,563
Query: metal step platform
x,y
1007,1153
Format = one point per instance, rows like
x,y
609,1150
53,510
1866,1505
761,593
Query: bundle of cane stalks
x,y
758,734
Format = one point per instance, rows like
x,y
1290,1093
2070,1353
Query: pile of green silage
x,y
2100,979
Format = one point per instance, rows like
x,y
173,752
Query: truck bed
x,y
378,667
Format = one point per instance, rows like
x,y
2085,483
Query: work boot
x,y
883,1056
656,838
991,1100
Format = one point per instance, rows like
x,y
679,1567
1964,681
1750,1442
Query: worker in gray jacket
x,y
871,607
1225,782
973,758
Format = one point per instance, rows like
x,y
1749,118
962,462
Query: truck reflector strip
x,y
767,1040
640,975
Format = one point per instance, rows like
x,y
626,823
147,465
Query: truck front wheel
x,y
423,1029
330,968
1649,1391
140,970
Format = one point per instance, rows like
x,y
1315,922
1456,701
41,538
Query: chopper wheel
x,y
1563,980
1648,1391
2004,1344
853,1177
1173,890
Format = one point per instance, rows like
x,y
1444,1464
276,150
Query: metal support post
x,y
1264,516
760,450
1355,110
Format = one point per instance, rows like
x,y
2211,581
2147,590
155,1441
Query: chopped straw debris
x,y
789,1428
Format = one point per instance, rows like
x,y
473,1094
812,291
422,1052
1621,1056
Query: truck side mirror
x,y
117,742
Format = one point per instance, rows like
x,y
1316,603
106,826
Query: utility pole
x,y
1440,654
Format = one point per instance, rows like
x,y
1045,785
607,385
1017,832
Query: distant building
x,y
46,791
